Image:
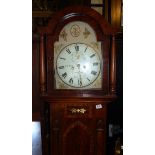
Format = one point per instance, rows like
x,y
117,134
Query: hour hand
x,y
80,83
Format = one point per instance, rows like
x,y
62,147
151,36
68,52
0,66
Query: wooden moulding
x,y
42,14
70,12
113,67
42,66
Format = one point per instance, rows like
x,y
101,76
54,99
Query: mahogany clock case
x,y
74,121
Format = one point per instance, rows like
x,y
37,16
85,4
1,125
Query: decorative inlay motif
x,y
64,35
74,110
75,30
75,146
86,33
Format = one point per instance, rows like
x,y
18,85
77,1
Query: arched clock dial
x,y
78,65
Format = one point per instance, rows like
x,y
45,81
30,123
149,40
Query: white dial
x,y
78,65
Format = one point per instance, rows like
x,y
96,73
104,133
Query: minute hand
x,y
79,80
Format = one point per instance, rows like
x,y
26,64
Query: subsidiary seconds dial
x,y
78,65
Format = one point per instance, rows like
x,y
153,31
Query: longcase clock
x,y
77,81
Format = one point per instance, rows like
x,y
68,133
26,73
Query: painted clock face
x,y
78,65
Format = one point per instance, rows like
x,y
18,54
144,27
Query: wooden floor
x,y
36,139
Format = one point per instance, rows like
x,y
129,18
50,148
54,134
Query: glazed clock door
x,y
78,58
